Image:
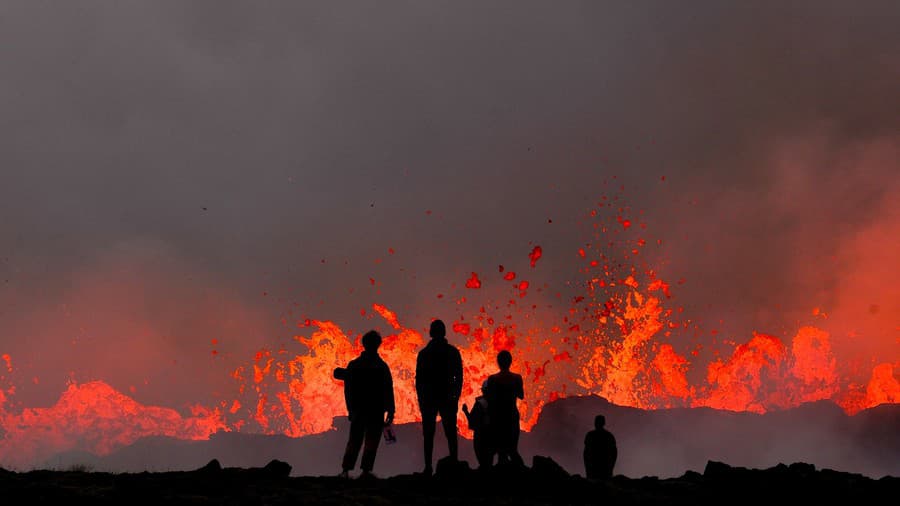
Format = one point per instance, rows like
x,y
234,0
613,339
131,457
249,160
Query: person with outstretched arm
x,y
369,393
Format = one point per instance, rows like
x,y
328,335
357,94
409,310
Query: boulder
x,y
277,469
447,467
715,469
545,467
212,467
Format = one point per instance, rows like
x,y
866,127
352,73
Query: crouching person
x,y
478,421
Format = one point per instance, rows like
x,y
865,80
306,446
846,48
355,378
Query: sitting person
x,y
600,451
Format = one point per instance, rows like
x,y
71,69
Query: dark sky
x,y
165,165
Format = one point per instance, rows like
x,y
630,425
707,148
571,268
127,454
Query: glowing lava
x,y
96,418
613,340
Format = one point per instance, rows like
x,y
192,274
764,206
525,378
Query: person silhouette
x,y
479,424
600,451
439,379
369,394
502,390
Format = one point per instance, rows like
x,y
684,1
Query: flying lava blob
x,y
612,338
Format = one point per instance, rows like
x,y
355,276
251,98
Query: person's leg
x,y
482,452
514,443
514,447
373,429
428,427
448,421
489,449
357,432
500,437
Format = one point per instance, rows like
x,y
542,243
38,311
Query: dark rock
x,y
692,476
212,467
506,471
277,469
546,467
802,468
720,471
715,469
447,467
522,486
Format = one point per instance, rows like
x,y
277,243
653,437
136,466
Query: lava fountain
x,y
613,337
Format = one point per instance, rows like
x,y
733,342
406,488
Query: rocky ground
x,y
663,443
543,483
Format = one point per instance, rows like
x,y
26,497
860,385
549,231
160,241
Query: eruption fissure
x,y
614,340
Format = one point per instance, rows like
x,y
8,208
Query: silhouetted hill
x,y
661,443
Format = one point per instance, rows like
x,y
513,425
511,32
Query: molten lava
x,y
96,418
627,365
613,340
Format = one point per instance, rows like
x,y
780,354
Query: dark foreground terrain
x,y
661,443
544,483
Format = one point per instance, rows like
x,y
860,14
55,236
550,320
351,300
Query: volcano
x,y
664,442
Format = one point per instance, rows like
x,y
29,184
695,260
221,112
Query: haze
x,y
173,174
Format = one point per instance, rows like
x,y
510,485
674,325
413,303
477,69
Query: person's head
x,y
438,329
504,360
371,340
599,422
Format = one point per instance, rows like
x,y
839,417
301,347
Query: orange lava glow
x,y
634,369
96,418
612,339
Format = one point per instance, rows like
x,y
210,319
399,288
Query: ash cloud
x,y
275,152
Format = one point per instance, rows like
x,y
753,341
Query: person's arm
x,y
420,367
520,390
457,374
389,395
348,392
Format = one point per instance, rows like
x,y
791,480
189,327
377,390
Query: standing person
x,y
600,451
369,393
439,379
502,391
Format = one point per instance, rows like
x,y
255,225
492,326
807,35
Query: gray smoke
x,y
176,173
